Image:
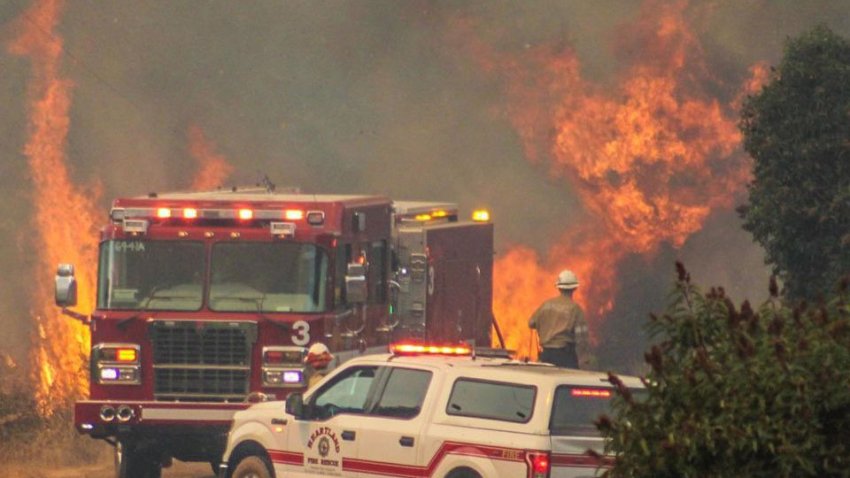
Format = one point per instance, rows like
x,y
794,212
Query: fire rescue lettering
x,y
323,431
325,440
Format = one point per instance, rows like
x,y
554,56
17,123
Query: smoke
x,y
351,97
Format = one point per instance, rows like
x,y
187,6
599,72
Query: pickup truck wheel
x,y
463,473
252,467
131,463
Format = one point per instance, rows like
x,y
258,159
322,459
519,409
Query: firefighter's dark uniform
x,y
563,332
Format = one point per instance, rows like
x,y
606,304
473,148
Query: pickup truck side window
x,y
509,402
404,393
347,393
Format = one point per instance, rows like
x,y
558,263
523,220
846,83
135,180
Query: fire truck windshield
x,y
268,277
150,275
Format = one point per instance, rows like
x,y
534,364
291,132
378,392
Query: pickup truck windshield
x,y
150,275
268,277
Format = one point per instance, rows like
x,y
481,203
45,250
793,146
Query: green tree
x,y
797,130
738,392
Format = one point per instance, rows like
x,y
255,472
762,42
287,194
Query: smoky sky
x,y
350,97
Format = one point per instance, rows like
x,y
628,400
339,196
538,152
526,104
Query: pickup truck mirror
x,y
355,284
295,405
66,286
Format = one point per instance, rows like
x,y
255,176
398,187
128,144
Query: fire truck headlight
x,y
118,364
108,374
119,375
283,366
283,378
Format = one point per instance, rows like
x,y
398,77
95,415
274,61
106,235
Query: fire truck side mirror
x,y
355,284
66,286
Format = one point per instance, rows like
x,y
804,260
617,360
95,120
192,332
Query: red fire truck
x,y
208,301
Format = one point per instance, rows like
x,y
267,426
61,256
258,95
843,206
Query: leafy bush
x,y
738,392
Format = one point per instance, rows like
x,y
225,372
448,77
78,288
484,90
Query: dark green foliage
x,y
736,392
798,132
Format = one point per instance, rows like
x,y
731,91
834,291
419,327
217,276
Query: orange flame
x,y
214,168
650,157
64,217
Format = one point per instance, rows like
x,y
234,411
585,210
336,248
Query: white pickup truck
x,y
428,412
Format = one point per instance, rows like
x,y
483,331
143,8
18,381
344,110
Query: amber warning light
x,y
429,349
481,215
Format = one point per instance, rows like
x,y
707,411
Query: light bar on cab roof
x,y
167,212
410,348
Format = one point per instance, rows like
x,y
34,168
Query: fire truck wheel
x,y
252,467
463,473
131,463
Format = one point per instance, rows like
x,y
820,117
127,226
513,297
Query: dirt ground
x,y
98,470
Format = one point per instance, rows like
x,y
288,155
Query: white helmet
x,y
567,280
318,348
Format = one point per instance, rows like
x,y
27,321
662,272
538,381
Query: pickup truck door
x,y
390,443
326,441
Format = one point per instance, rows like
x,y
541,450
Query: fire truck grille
x,y
201,360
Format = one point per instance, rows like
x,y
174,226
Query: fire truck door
x,y
391,443
330,438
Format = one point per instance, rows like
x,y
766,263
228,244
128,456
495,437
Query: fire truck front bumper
x,y
103,418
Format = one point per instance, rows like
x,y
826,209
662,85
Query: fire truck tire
x,y
131,463
252,467
463,473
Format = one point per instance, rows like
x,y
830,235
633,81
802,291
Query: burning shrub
x,y
739,392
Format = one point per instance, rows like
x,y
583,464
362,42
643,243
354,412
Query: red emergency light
x,y
591,392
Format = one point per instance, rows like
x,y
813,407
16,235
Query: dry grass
x,y
29,438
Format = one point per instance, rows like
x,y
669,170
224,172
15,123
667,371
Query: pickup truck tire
x,y
463,473
252,467
130,462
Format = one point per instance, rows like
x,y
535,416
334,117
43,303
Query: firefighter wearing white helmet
x,y
561,327
318,361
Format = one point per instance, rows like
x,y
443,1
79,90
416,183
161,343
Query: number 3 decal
x,y
302,333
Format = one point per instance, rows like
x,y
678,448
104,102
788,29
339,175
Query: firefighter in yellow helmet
x,y
561,327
